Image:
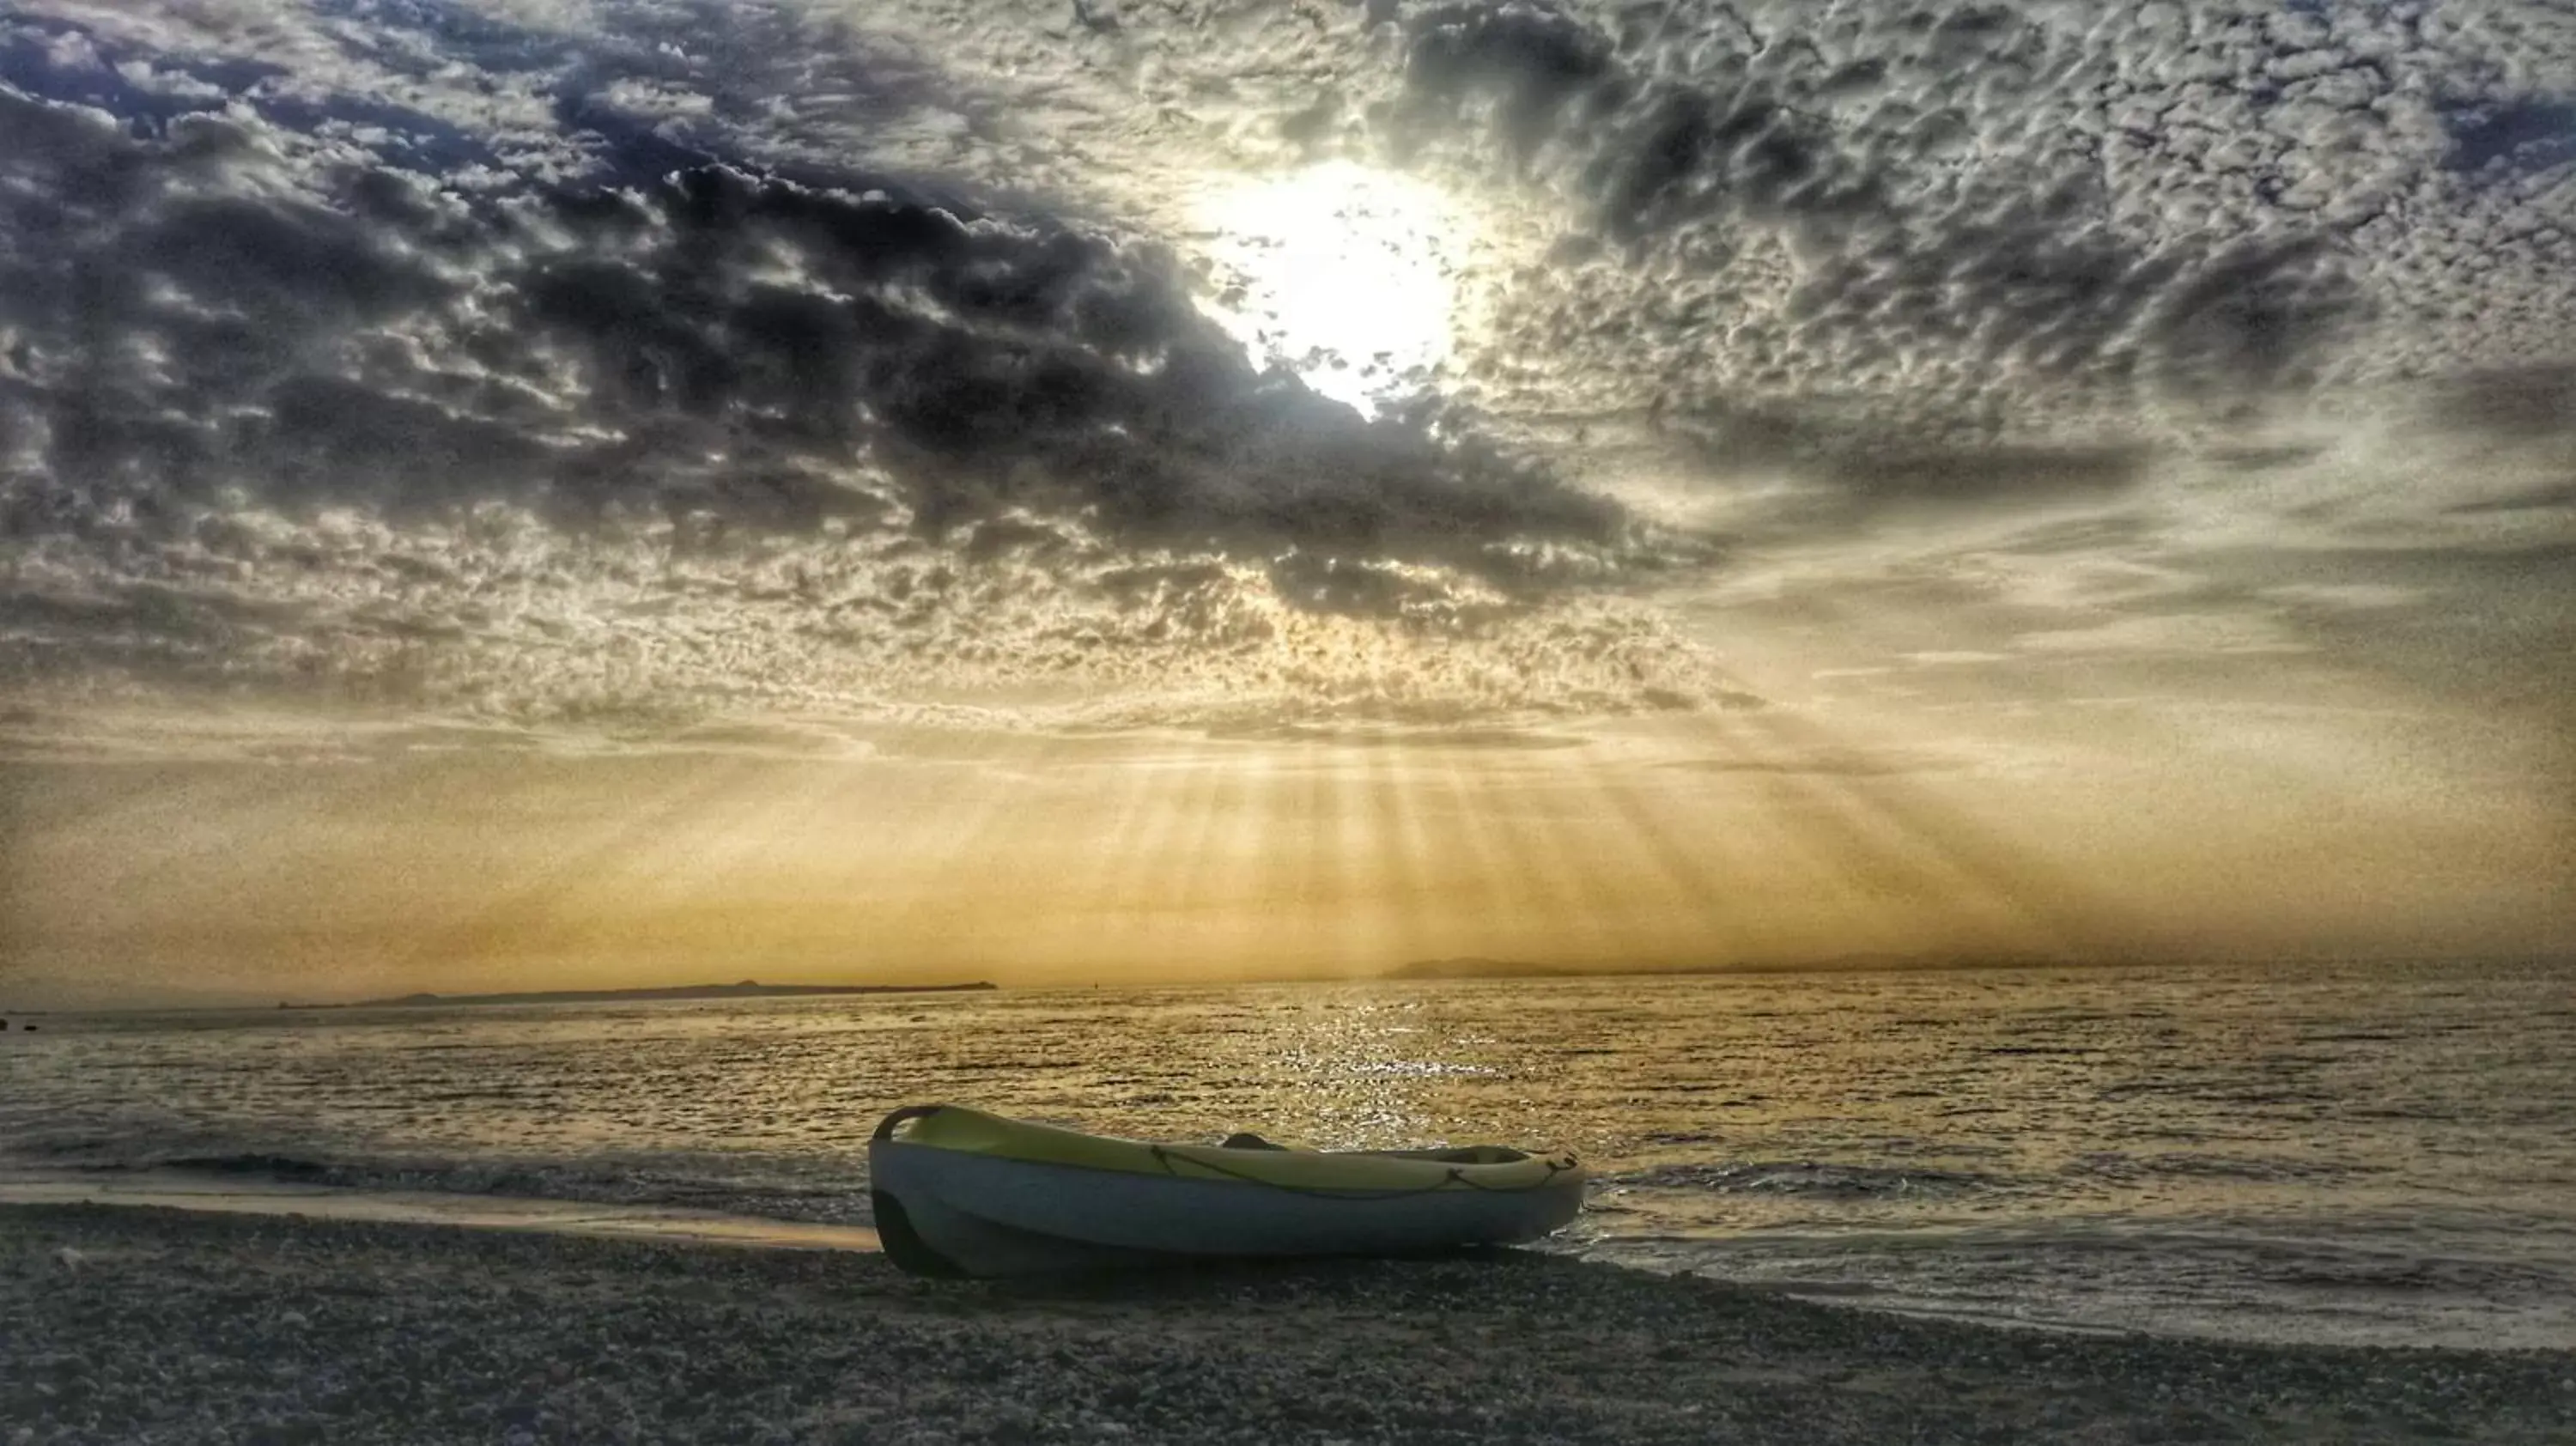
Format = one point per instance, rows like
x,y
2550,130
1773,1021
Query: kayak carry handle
x,y
885,1127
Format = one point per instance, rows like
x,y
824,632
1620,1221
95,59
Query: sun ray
x,y
1617,898
1407,911
528,911
2016,889
1509,889
1222,807
1100,857
954,842
1323,870
1693,879
1177,790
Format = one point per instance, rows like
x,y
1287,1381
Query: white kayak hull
x,y
947,1211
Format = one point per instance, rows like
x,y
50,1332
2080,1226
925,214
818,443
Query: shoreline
x,y
133,1323
199,1191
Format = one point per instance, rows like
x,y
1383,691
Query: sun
x,y
1343,273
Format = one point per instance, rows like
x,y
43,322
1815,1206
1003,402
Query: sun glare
x,y
1341,272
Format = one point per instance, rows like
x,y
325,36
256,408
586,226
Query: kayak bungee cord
x,y
1165,1154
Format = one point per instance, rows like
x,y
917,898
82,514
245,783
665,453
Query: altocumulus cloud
x,y
344,407
542,357
1912,251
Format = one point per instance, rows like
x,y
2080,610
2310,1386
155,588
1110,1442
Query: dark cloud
x,y
265,381
1536,62
892,312
381,342
2257,458
1865,462
1660,154
2519,402
2532,134
1986,238
1001,363
62,61
2557,495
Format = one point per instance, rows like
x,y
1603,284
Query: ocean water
x,y
2381,1154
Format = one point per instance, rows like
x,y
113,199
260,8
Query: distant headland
x,y
1473,967
747,989
1477,967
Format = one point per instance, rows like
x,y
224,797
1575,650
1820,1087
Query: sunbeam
x,y
1910,654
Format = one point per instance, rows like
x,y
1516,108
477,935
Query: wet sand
x,y
249,1195
130,1324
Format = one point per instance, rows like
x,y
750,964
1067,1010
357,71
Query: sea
x,y
2350,1153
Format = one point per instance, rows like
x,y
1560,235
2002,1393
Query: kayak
x,y
961,1192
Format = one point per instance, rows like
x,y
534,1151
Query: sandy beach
x,y
122,1324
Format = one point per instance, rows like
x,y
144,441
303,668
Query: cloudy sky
x,y
501,493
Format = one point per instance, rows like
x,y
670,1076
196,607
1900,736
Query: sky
x,y
540,493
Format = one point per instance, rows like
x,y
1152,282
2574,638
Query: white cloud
x,y
2053,314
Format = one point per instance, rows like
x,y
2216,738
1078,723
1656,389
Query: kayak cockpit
x,y
1463,1155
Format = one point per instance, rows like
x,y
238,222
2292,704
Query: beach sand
x,y
125,1324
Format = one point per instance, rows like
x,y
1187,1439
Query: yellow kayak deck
x,y
1474,1167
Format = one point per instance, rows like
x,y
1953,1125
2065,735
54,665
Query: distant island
x,y
747,989
1477,967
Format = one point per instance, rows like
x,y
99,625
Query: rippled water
x,y
2362,1153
